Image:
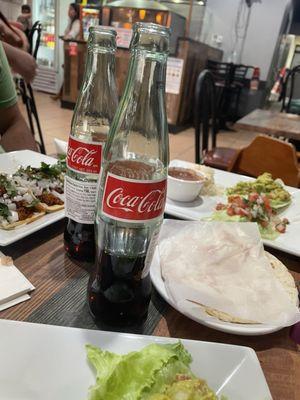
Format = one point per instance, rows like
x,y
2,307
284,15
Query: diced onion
x,y
27,197
14,217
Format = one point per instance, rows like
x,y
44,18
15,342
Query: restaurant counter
x,y
190,60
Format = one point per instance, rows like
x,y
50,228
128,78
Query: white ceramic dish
x,y
184,190
198,315
49,362
203,207
9,162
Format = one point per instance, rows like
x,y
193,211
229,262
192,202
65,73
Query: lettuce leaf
x,y
278,204
221,215
269,233
134,376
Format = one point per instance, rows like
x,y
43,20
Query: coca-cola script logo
x,y
84,157
133,200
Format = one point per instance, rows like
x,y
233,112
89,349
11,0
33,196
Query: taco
x,y
46,183
17,205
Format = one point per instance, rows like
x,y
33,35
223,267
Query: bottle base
x,y
106,322
73,255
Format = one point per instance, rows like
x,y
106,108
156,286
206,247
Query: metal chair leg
x,y
36,116
197,145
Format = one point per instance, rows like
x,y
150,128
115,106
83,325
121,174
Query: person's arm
x,y
67,29
21,62
13,35
74,32
15,134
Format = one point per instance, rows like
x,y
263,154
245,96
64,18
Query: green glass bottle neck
x,y
147,73
99,63
97,100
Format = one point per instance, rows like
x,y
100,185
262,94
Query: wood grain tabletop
x,y
60,299
271,123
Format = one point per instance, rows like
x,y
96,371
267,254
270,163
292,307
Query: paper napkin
x,y
14,286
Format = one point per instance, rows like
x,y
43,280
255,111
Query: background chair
x,y
289,103
230,79
26,91
206,126
267,154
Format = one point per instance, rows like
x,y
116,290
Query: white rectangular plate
x,y
204,206
9,163
49,362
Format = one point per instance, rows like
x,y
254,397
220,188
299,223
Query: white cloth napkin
x,y
14,287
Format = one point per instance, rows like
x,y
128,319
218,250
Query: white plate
x,y
49,362
198,315
204,206
9,163
61,146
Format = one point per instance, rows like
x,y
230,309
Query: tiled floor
x,y
56,121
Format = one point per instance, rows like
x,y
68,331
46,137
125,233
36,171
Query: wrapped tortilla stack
x,y
223,269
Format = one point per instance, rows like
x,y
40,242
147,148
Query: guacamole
x,y
264,184
187,389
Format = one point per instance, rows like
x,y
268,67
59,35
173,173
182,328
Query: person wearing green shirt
x,y
14,132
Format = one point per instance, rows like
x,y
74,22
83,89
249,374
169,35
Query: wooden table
x,y
271,123
60,299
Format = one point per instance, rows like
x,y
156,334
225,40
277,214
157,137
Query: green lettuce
x,y
279,204
136,375
221,215
269,233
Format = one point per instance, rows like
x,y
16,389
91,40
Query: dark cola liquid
x,y
117,293
79,240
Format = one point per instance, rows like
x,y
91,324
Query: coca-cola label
x,y
133,200
84,157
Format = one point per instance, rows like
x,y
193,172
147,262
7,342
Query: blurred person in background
x,y
73,29
14,132
72,32
25,18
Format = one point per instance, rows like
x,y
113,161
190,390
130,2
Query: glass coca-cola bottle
x,y
94,111
133,182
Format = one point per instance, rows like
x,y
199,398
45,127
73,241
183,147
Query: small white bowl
x,y
184,190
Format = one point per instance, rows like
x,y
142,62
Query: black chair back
x,y
289,88
204,114
34,38
222,72
240,74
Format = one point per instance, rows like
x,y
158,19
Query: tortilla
x,y
26,221
281,273
43,207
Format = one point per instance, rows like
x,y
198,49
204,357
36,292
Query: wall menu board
x,y
174,75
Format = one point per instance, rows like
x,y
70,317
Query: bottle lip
x,y
150,27
103,30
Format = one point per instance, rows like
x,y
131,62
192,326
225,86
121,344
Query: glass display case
x,y
44,11
53,15
89,16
